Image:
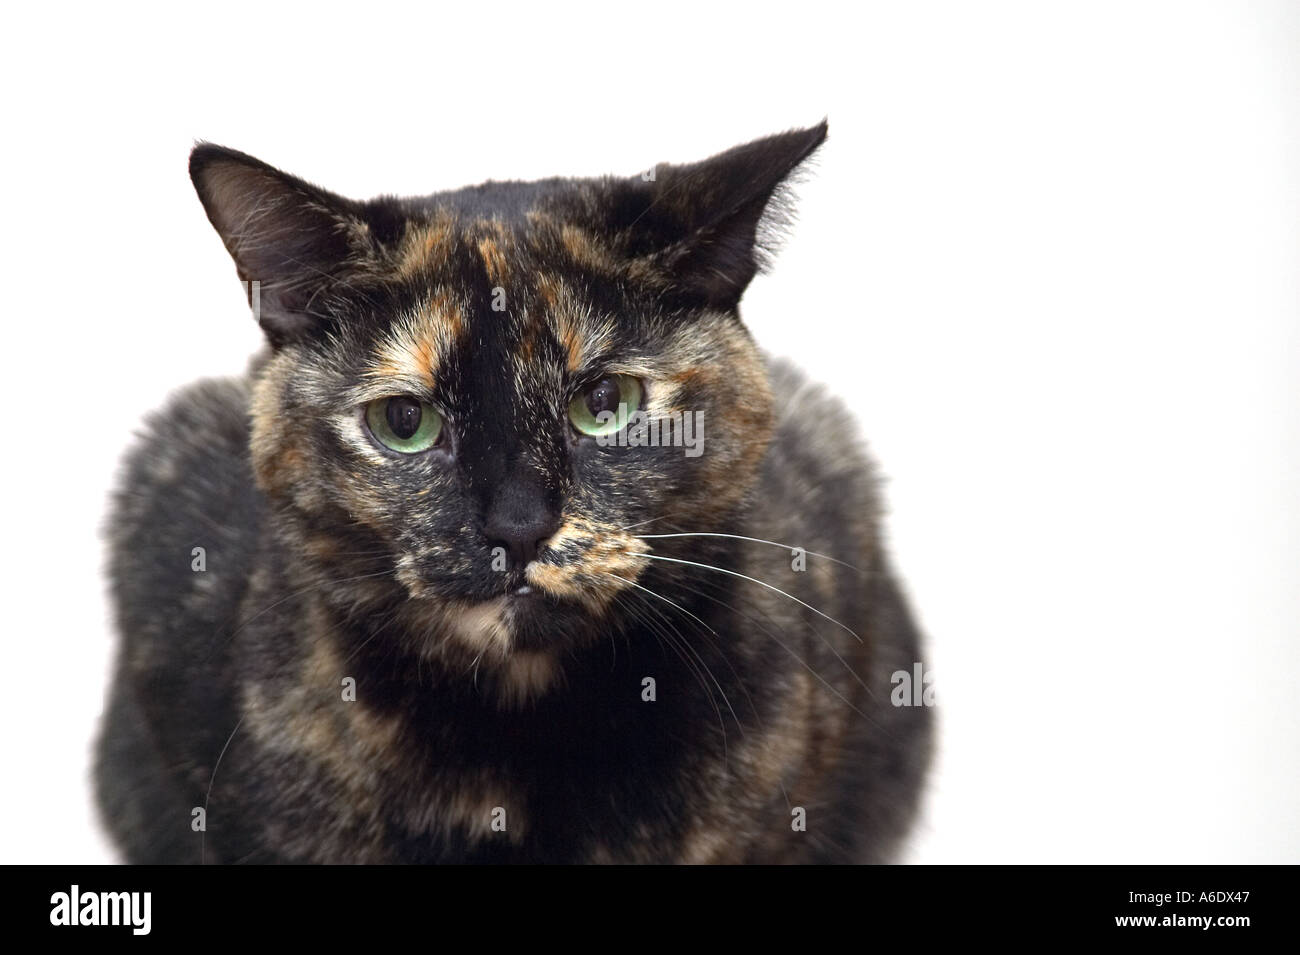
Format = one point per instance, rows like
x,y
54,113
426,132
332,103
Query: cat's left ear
x,y
709,227
294,240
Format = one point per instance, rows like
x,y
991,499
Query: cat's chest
x,y
433,782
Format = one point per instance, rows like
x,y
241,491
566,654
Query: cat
x,y
406,592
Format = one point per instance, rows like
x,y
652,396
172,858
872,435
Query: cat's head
x,y
429,419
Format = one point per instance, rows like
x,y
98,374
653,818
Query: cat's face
x,y
442,413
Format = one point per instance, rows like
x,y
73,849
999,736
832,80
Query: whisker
x,y
717,648
753,580
701,623
672,641
817,633
756,540
800,661
203,839
641,523
362,645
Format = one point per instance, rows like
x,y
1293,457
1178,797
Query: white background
x,y
1049,254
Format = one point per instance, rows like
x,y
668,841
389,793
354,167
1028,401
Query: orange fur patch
x,y
494,260
419,342
425,247
608,560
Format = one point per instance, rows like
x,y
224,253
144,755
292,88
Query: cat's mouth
x,y
526,595
518,590
525,619
560,598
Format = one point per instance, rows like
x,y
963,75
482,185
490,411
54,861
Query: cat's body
x,y
337,676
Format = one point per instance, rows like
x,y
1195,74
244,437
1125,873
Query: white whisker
x,y
203,839
649,520
756,540
633,583
733,573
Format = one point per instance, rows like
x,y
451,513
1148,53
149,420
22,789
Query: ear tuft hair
x,y
711,226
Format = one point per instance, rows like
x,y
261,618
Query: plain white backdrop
x,y
1049,256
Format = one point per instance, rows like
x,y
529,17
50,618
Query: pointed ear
x,y
711,226
295,241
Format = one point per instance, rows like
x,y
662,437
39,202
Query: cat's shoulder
x,y
818,481
813,423
185,488
204,423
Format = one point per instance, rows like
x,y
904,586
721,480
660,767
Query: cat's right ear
x,y
292,242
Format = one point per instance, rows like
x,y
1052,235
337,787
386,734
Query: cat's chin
x,y
525,619
514,644
542,622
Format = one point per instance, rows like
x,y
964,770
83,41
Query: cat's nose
x,y
522,539
521,521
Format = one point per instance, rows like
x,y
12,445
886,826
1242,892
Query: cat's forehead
x,y
504,234
529,291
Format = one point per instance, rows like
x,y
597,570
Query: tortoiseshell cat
x,y
408,593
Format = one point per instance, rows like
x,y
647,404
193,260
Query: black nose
x,y
520,520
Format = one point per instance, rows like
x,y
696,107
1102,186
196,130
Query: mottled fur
x,y
479,690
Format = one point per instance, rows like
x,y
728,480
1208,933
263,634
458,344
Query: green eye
x,y
404,424
605,406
